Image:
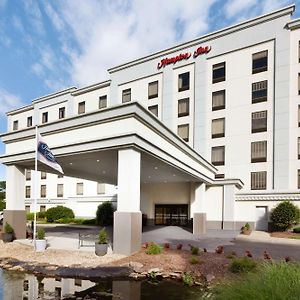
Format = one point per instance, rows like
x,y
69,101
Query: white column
x,y
15,214
129,177
197,208
128,217
229,206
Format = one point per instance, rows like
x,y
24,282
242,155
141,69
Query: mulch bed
x,y
285,234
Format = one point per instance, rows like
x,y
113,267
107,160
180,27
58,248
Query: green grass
x,y
242,265
274,281
295,237
153,249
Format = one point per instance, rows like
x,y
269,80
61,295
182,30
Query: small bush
x,y
65,220
30,216
296,230
194,260
247,226
242,265
102,237
8,228
153,248
41,215
188,279
40,234
194,250
285,215
105,214
59,212
89,222
272,281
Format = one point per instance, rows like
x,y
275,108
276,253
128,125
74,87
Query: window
x,y
60,190
153,89
43,191
258,180
60,176
77,282
27,191
298,115
298,83
299,51
45,117
42,208
62,113
259,91
219,176
298,148
218,100
259,151
100,188
29,121
218,73
154,109
28,174
183,81
259,62
218,156
218,128
126,95
183,132
15,125
183,107
43,175
259,121
27,208
81,107
298,179
102,102
79,188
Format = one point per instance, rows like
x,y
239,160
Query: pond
x,y
15,285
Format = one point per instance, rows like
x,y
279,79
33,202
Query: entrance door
x,y
261,213
169,214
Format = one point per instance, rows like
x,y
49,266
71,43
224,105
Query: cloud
x,y
236,8
98,35
269,5
8,101
34,16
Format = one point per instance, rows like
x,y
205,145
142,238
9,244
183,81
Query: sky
x,y
49,45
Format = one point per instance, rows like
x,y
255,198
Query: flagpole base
x,y
17,220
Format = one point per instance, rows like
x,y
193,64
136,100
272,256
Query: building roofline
x,y
294,24
216,34
19,110
56,94
91,87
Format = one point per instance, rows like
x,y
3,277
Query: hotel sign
x,y
182,56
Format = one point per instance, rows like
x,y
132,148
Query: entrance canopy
x,y
86,146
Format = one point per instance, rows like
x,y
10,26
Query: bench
x,y
85,237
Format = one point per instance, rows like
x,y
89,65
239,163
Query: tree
x,y
285,215
105,214
2,194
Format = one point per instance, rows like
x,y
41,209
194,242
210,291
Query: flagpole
x,y
35,185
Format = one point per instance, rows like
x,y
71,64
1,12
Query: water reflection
x,y
26,286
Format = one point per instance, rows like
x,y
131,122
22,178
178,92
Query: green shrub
x,y
89,222
65,220
242,265
30,216
188,279
153,248
102,237
296,230
59,212
41,215
40,234
247,226
194,250
194,260
272,281
285,215
105,214
8,228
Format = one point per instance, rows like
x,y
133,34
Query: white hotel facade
x,y
207,130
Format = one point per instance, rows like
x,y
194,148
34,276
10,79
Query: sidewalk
x,y
264,237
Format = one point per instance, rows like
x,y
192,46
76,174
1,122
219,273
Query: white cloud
x,y
108,33
269,5
8,101
17,23
2,3
236,8
34,16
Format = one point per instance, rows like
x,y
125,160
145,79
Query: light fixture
x,y
70,164
155,168
149,176
174,175
103,172
98,160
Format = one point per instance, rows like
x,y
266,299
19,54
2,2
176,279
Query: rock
x,y
175,275
136,266
165,275
17,268
154,270
209,277
197,283
51,268
133,275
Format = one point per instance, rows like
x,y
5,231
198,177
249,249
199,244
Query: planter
x,y
40,245
100,249
7,237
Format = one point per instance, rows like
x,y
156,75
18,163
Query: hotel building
x,y
207,131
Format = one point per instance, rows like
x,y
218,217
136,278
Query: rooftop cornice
x,y
91,88
294,24
216,34
237,182
20,110
53,95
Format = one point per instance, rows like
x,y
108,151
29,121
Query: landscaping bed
x,y
286,235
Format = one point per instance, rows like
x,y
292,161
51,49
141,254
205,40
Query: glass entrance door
x,y
171,214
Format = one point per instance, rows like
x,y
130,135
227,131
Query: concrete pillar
x,y
229,207
128,217
197,208
15,213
